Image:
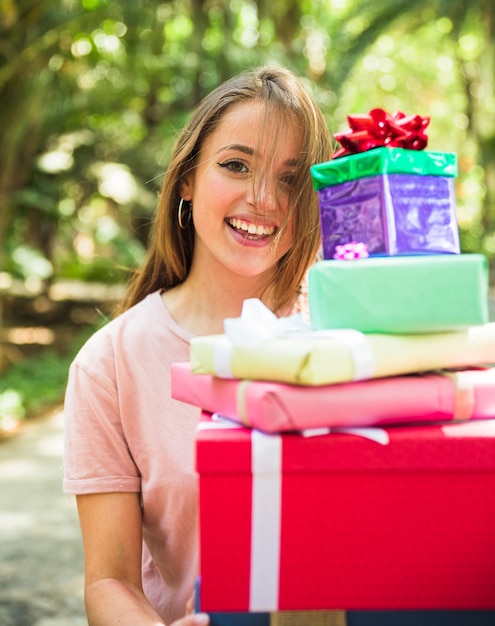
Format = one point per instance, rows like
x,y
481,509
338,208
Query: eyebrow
x,y
250,151
239,147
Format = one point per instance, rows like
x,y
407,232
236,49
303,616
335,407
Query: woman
x,y
237,218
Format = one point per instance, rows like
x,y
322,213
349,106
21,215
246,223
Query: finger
x,y
198,619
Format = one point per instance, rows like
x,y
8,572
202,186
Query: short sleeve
x,y
96,455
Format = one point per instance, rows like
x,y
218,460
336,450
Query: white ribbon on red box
x,y
266,519
266,514
266,510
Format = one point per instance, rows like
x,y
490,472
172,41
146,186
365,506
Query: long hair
x,y
170,252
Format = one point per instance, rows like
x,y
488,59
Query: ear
x,y
186,188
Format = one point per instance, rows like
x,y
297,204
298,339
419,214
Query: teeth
x,y
252,229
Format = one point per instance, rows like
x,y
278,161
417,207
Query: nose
x,y
263,194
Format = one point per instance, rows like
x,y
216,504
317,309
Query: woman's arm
x,y
111,528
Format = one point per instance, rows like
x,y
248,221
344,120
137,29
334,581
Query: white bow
x,y
258,323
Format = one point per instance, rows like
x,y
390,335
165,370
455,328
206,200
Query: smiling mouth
x,y
251,231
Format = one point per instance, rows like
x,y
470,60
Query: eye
x,y
235,166
289,178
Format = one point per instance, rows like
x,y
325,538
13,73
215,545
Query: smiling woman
x,y
284,106
237,219
240,191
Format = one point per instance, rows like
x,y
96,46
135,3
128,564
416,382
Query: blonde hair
x,y
171,248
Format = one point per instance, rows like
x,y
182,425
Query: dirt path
x,y
41,570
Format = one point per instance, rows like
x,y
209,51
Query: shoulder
x,y
140,334
141,323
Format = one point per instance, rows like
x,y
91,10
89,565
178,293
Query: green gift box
x,y
383,161
398,295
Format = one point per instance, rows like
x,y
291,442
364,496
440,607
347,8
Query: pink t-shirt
x,y
124,433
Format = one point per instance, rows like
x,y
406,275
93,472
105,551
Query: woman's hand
x,y
111,527
197,619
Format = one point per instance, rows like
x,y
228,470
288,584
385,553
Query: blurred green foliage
x,y
93,92
36,382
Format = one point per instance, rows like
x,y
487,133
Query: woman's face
x,y
240,191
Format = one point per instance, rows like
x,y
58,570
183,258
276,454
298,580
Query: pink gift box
x,y
279,407
341,521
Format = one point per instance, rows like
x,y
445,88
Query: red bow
x,y
379,128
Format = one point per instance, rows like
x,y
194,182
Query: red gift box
x,y
342,521
279,407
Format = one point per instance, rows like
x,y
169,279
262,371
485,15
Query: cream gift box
x,y
336,356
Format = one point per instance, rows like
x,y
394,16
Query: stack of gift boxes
x,y
356,467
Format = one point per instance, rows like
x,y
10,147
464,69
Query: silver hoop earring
x,y
184,223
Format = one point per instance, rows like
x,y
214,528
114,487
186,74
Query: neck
x,y
200,305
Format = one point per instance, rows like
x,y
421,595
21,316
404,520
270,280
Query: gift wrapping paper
x,y
391,214
342,355
279,407
319,523
411,294
394,200
383,161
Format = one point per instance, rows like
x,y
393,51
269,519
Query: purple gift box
x,y
393,200
392,214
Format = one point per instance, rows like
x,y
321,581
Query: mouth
x,y
250,230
